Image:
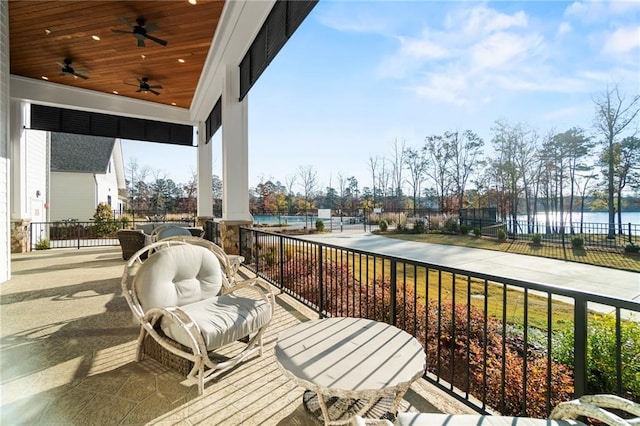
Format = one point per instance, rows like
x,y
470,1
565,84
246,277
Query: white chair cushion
x,y
428,419
221,320
178,275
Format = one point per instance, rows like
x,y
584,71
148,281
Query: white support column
x,y
20,213
235,149
18,139
205,174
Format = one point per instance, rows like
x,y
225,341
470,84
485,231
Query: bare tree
x,y
613,116
373,164
397,164
437,153
465,150
417,165
309,182
383,179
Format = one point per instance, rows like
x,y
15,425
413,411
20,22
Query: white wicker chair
x,y
180,295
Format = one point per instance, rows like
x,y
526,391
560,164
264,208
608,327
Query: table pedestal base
x,y
341,410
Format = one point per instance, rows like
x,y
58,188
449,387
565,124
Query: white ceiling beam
x,y
58,95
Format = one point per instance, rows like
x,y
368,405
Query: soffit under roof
x,y
44,33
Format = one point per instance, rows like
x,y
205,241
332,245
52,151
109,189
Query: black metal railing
x,y
513,346
76,234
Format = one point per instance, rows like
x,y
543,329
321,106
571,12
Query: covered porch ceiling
x,y
201,39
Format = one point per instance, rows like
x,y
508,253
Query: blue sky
x,y
358,75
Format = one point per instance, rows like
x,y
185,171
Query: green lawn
x,y
590,256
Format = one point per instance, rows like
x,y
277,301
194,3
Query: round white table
x,y
354,362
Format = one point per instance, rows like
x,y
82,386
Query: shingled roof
x,y
79,153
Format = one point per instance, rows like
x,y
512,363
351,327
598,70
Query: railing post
x,y
580,347
281,243
394,296
256,248
629,233
320,281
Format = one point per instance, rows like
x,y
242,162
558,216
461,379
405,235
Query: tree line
x,y
528,172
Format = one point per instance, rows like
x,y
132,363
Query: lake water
x,y
592,217
589,217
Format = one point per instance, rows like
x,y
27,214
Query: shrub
x,y
601,354
103,219
451,225
536,239
577,242
502,235
43,244
476,231
383,225
632,248
319,225
419,227
464,229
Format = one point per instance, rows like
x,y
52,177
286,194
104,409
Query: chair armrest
x,y
254,284
592,406
181,319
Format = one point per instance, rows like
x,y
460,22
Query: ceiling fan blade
x,y
61,65
140,42
84,77
125,21
121,31
151,27
154,92
156,39
139,91
130,84
155,86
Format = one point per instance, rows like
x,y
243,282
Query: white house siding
x,y
5,257
107,186
72,196
37,168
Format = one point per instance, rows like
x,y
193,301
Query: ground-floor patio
x,y
67,356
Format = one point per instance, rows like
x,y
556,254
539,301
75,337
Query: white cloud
x,y
423,48
622,40
503,50
484,20
593,11
564,28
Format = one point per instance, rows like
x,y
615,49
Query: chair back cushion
x,y
178,275
172,230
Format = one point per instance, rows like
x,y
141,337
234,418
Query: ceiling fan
x,y
66,69
145,87
140,31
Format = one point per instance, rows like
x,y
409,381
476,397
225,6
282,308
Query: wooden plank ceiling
x,y
45,33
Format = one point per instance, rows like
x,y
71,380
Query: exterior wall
x,y
73,196
107,185
5,231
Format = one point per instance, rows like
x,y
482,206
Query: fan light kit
x,y
145,87
66,69
140,31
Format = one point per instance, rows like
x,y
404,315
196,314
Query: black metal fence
x,y
513,346
76,234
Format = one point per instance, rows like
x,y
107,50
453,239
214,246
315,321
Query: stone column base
x,y
20,235
230,234
200,220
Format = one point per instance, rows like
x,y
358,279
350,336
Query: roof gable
x,y
80,153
